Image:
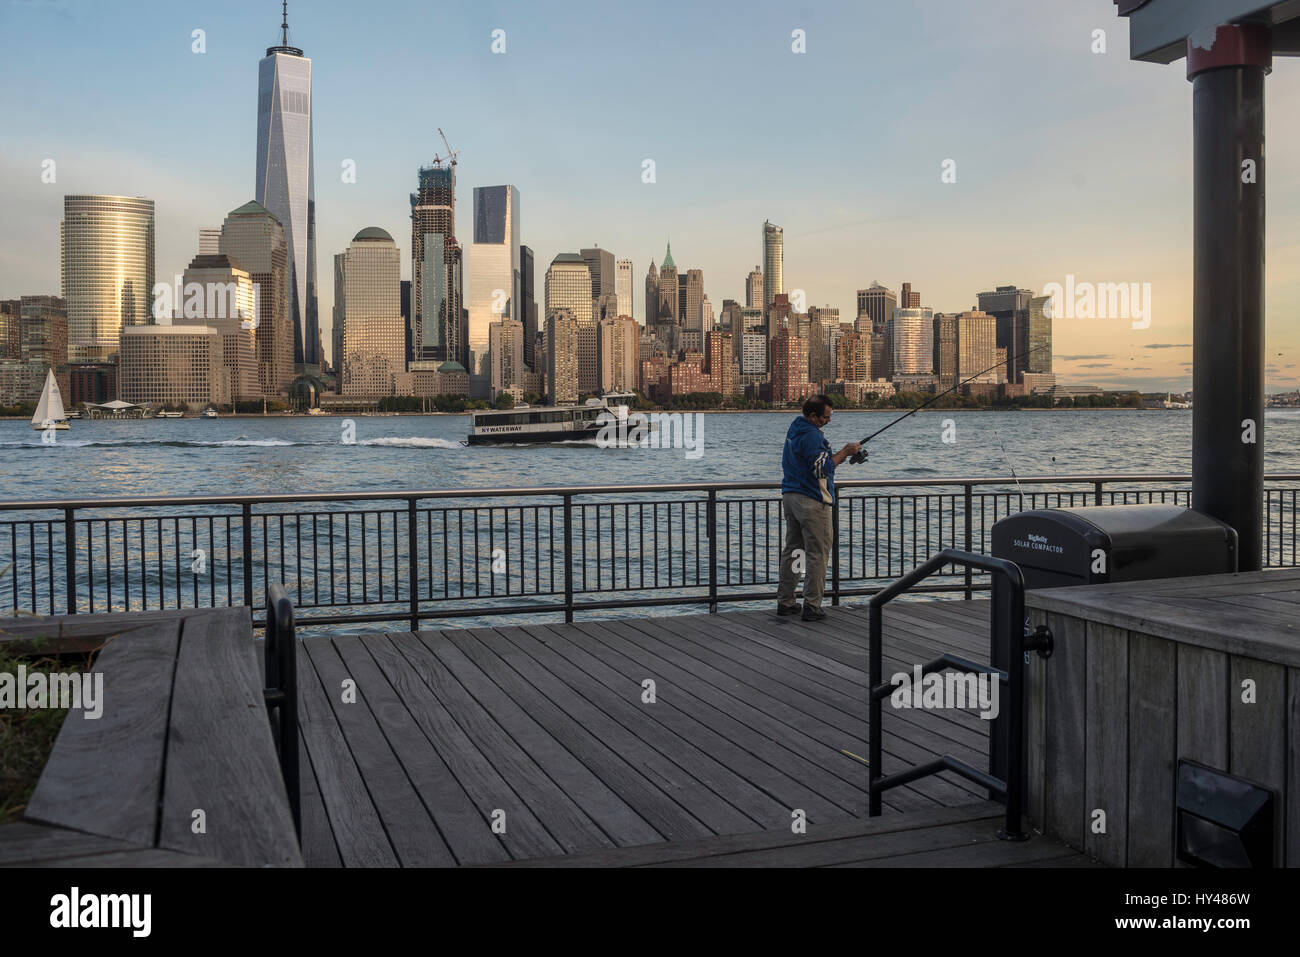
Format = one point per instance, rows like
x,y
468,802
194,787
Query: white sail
x,y
50,408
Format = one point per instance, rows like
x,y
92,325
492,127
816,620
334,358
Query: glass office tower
x,y
286,181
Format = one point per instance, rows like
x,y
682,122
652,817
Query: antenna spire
x,y
284,25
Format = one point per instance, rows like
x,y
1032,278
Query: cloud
x,y
1080,358
1168,345
1095,365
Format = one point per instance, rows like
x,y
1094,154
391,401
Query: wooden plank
x,y
1257,746
826,787
1202,708
1216,626
360,838
221,758
1152,748
992,853
759,642
734,746
1292,858
1106,743
593,681
465,831
728,844
475,772
857,850
644,795
604,806
405,819
25,843
1066,742
318,846
104,775
906,641
566,822
136,857
828,712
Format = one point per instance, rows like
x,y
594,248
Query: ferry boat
x,y
171,415
548,423
208,414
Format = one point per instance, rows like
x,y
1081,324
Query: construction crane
x,y
450,152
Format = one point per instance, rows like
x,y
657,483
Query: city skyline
x,y
849,218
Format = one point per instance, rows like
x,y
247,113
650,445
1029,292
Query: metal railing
x,y
1009,639
412,556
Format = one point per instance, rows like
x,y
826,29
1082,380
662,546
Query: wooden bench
x,y
183,730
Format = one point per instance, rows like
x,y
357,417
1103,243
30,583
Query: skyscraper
x,y
912,339
286,179
494,274
252,237
773,282
600,262
754,289
374,343
909,299
506,348
692,318
669,301
651,296
1010,307
1039,358
623,287
437,263
528,306
977,347
876,304
562,354
568,286
108,270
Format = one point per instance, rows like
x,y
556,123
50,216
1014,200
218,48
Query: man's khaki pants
x,y
807,530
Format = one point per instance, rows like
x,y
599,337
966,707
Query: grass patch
x,y
27,735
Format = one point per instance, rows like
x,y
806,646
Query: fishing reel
x,y
859,458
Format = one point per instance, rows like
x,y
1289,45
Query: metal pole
x,y
70,558
835,551
568,557
1227,78
712,512
970,503
247,513
413,558
875,746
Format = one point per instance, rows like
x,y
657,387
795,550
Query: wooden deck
x,y
540,743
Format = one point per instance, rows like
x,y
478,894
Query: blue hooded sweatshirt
x,y
808,462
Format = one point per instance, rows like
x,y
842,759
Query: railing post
x,y
876,741
711,513
568,557
835,551
1001,651
1096,493
970,504
70,558
413,560
247,511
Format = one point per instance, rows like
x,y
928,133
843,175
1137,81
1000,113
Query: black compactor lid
x,y
1132,524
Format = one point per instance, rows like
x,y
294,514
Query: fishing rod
x,y
861,456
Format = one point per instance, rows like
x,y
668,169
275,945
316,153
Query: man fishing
x,y
807,494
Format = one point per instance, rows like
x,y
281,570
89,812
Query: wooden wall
x,y
1111,713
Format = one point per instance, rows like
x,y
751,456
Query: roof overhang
x,y
1158,29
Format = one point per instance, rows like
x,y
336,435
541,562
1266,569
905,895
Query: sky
x,y
1067,162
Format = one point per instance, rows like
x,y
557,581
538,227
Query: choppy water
x,y
301,454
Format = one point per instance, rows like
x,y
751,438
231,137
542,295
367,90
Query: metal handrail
x,y
281,692
534,490
1008,640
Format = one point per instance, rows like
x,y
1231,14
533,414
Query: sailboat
x,y
49,411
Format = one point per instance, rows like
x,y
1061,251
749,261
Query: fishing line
x,y
1007,459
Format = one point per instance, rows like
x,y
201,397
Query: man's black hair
x,y
816,405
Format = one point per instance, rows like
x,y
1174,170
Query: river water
x,y
299,454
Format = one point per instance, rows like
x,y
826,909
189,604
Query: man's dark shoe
x,y
812,614
787,609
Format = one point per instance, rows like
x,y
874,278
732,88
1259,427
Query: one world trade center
x,y
285,181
